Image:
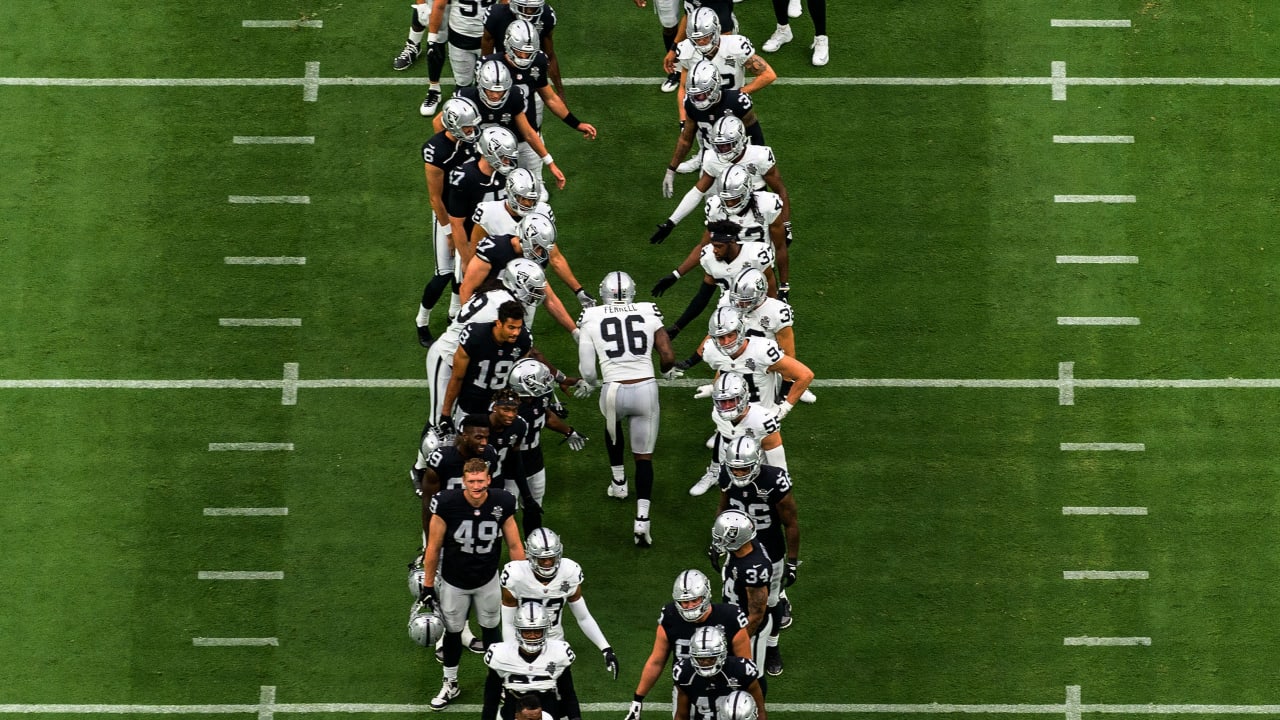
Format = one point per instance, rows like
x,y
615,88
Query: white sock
x,y
416,36
618,475
642,509
454,305
773,641
424,316
451,674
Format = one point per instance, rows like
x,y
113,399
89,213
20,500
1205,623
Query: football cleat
x,y
617,489
780,37
448,692
821,54
671,83
425,338
785,622
707,481
808,397
406,57
641,531
430,103
773,661
476,646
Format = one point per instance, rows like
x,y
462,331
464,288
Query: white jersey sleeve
x,y
758,159
622,337
686,56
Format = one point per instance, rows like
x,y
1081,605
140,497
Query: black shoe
x,y
773,661
785,622
476,646
406,56
425,338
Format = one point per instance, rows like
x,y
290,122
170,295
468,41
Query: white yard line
x,y
249,447
1066,383
289,385
311,82
1058,77
1097,320
1102,510
269,199
1107,199
235,642
1090,23
259,260
1086,641
1093,139
274,140
1102,447
260,322
240,575
316,24
1104,575
266,702
244,511
1097,259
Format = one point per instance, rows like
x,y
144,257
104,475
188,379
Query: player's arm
x,y
529,135
435,191
586,622
724,502
553,62
773,181
790,517
762,74
587,356
683,144
752,125
509,605
557,310
797,372
437,16
477,270
492,695
778,236
669,60
437,123
557,107
757,604
758,695
742,643
682,704
666,353
467,250
461,360
554,422
515,546
431,555
430,486
786,339
653,666
560,264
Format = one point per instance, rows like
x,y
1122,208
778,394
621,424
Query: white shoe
x,y
793,8
690,165
780,37
617,489
429,105
448,692
820,53
707,482
671,83
808,397
711,442
641,531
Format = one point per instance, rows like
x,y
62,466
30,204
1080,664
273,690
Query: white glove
x,y
704,391
784,408
669,184
575,333
634,712
582,389
576,440
673,374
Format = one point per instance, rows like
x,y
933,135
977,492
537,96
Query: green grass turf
x,y
934,540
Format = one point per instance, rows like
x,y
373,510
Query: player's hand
x,y
559,176
557,407
588,130
786,226
784,408
674,373
713,554
666,226
585,299
427,596
669,62
704,391
435,51
582,389
610,662
784,293
639,3
789,579
633,713
672,332
665,283
445,426
415,477
669,184
576,440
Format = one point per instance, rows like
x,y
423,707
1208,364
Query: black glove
x,y
664,229
435,51
713,554
787,227
415,476
784,293
610,662
427,596
672,332
665,283
789,578
445,426
559,409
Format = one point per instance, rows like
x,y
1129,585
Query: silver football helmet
x,y
703,87
737,705
541,546
728,138
426,628
521,43
703,29
730,395
416,575
493,79
499,147
528,9
731,530
432,441
523,191
748,291
531,626
461,118
743,454
708,648
524,279
617,288
537,235
726,321
736,185
691,585
530,378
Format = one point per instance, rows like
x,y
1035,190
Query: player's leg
x,y
643,421
772,655
463,64
419,17
439,370
441,280
488,604
613,439
818,10
453,603
668,12
782,34
435,67
708,479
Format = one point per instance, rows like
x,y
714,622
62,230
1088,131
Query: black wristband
x,y
572,121
638,697
672,168
575,292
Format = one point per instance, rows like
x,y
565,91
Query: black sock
x,y
452,648
614,446
491,635
644,479
780,12
818,11
434,289
669,37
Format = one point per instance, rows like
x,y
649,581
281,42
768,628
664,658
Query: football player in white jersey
x,y
763,316
735,416
722,259
551,580
464,21
532,664
622,336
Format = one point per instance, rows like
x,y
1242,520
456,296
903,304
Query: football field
x,y
1032,272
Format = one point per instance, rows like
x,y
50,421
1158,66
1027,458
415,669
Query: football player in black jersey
x,y
705,101
690,609
764,492
506,431
543,19
440,468
536,384
464,545
483,180
747,574
485,354
501,102
709,674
